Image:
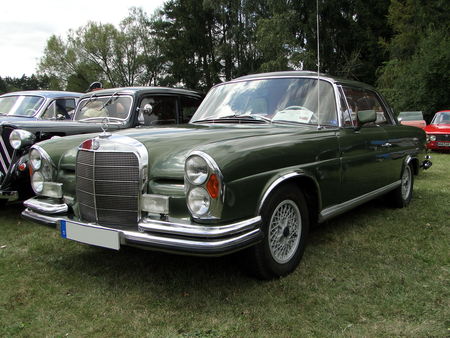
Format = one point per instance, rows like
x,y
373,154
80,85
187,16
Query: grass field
x,y
374,271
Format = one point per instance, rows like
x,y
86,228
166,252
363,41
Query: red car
x,y
438,131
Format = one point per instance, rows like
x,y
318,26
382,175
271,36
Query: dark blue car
x,y
37,105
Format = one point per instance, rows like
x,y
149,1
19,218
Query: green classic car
x,y
264,157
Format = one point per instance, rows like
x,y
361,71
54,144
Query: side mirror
x,y
366,116
148,108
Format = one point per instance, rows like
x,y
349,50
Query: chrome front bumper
x,y
179,236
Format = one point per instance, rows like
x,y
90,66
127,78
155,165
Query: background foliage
x,y
401,46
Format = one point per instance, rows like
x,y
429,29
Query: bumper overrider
x,y
173,235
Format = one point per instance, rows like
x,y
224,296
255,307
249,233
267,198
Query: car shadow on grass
x,y
142,266
132,266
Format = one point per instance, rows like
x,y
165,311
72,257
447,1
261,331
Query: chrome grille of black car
x,y
6,151
107,187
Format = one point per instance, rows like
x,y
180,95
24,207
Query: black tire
x,y
401,196
281,250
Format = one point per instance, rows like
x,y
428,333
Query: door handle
x,y
386,145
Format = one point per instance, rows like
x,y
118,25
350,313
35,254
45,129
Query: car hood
x,y
229,146
438,129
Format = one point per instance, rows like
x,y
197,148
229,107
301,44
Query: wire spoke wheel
x,y
401,196
284,231
285,225
406,182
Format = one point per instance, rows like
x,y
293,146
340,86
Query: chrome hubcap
x,y
406,182
284,231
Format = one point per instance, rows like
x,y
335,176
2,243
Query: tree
x,y
417,75
64,66
33,82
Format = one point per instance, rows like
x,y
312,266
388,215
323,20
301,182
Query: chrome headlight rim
x,y
199,201
45,157
20,138
432,138
215,197
41,173
35,159
37,182
196,169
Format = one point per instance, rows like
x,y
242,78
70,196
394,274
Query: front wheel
x,y
285,227
402,195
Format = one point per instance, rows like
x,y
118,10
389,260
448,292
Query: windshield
x,y
20,105
94,108
441,118
285,100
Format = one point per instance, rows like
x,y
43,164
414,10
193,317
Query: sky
x,y
26,25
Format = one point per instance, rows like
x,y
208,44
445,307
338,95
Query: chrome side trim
x,y
338,209
199,230
45,207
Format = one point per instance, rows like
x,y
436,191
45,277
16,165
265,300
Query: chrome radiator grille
x,y
6,151
107,187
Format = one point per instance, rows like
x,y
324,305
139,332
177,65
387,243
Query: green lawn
x,y
374,271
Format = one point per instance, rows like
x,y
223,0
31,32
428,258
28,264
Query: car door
x,y
163,110
363,149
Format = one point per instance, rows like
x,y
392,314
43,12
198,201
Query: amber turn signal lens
x,y
213,186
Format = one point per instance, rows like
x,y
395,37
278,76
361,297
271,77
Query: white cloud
x,y
25,26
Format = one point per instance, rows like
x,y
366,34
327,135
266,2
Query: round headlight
x,y
196,170
35,159
432,137
198,201
37,182
19,138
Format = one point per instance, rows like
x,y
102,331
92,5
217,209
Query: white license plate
x,y
443,144
90,235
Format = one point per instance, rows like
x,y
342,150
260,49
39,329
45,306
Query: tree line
x,y
400,46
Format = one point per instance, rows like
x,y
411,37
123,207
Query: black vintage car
x,y
109,109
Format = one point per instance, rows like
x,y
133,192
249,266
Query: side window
x,y
188,107
164,109
348,114
60,109
359,99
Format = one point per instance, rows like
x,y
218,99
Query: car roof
x,y
304,73
44,93
143,90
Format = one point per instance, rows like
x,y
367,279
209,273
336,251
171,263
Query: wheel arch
x,y
307,184
413,162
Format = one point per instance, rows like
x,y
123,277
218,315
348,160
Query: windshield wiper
x,y
240,118
109,100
